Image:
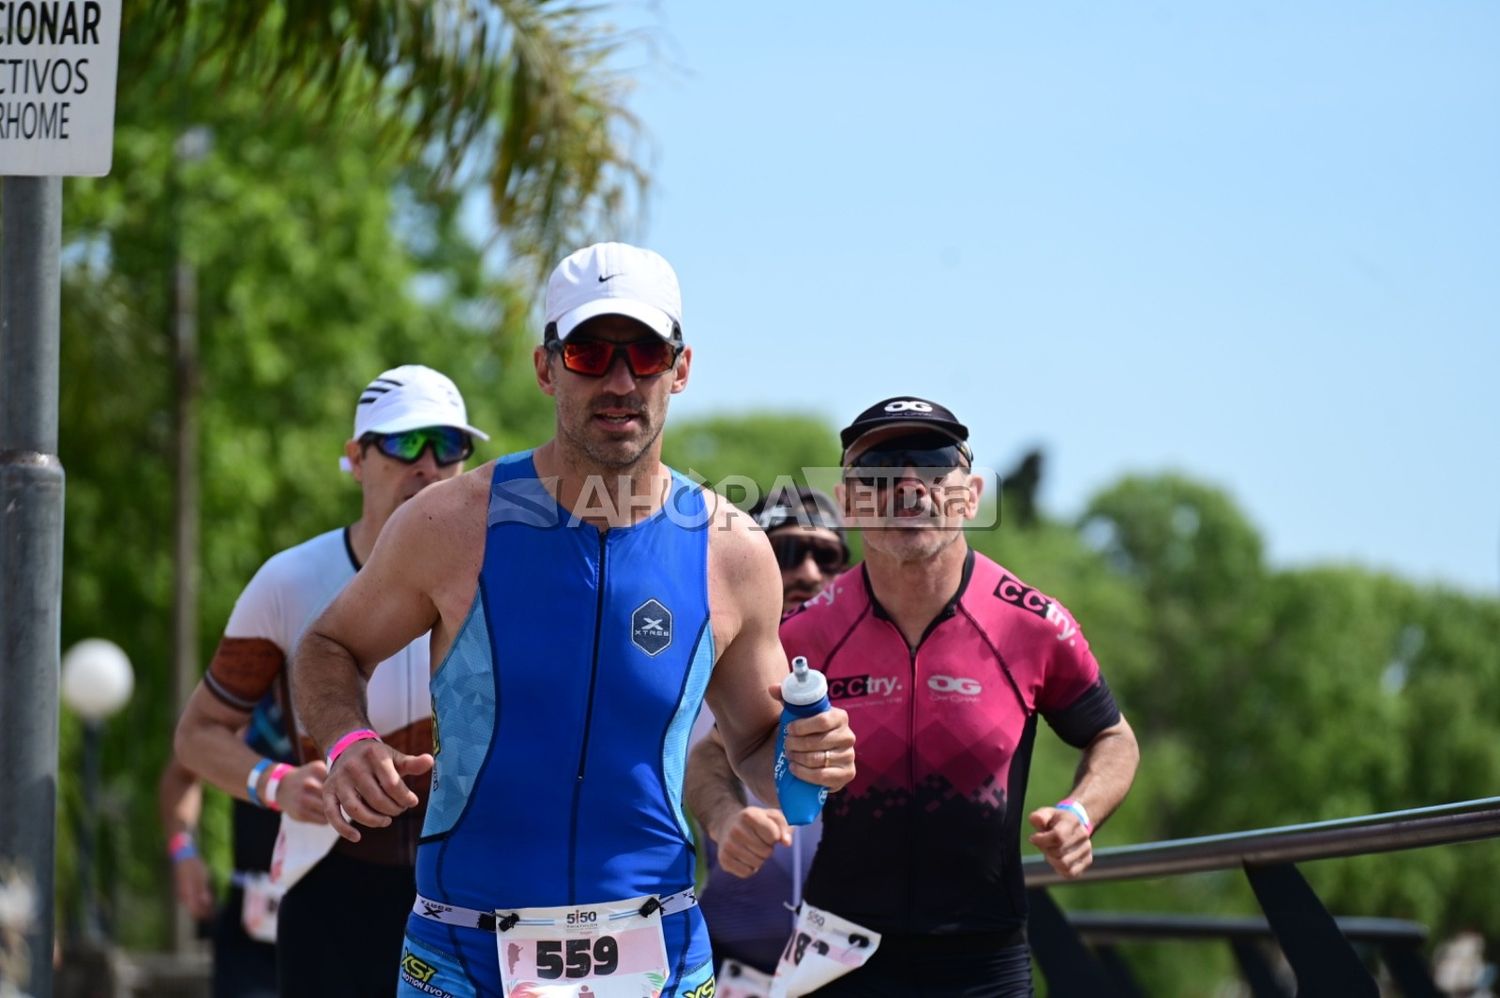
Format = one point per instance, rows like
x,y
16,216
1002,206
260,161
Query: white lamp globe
x,y
96,679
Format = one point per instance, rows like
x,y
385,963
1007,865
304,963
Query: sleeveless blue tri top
x,y
563,711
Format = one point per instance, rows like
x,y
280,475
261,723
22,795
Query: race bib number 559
x,y
590,951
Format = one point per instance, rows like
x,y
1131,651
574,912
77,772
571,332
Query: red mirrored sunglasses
x,y
645,357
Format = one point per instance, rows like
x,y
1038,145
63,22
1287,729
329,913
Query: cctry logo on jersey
x,y
859,687
651,627
1066,629
1017,593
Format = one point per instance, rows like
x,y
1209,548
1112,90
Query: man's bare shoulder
x,y
444,512
737,547
744,585
467,491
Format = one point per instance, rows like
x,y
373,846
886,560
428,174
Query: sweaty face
x,y
908,513
613,420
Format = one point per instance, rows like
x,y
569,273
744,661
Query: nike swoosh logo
x,y
611,277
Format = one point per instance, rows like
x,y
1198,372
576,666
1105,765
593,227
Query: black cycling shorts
x,y
243,968
339,931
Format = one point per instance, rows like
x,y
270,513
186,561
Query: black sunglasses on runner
x,y
791,551
930,458
646,357
449,444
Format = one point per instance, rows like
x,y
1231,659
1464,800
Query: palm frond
x,y
520,90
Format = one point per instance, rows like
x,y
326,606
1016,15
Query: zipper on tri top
x,y
588,711
588,722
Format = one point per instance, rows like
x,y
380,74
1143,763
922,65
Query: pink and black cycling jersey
x,y
927,837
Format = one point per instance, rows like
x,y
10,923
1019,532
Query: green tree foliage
x,y
519,92
1432,739
1282,697
732,452
1196,562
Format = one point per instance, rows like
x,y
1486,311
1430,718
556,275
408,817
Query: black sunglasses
x,y
791,551
928,459
645,357
449,444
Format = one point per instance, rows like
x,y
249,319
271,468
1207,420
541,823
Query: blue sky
x,y
1258,243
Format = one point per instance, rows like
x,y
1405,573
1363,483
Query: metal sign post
x,y
31,518
58,62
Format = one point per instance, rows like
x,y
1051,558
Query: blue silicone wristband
x,y
1076,810
253,780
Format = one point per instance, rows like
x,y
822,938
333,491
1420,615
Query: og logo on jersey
x,y
651,627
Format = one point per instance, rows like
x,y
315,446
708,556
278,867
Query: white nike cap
x,y
410,397
614,279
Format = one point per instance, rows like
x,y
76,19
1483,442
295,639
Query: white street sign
x,y
58,62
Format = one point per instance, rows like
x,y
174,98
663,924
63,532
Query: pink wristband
x,y
343,743
278,773
180,846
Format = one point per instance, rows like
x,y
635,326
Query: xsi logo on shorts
x,y
704,990
651,627
418,973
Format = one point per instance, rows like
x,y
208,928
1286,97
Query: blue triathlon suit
x,y
563,711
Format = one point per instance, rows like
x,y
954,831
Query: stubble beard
x,y
619,456
910,544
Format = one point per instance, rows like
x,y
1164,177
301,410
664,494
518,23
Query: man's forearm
x,y
179,799
210,746
1106,771
328,689
710,788
758,770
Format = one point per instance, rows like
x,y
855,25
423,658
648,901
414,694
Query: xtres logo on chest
x,y
651,627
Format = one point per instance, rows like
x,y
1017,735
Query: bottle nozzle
x,y
805,685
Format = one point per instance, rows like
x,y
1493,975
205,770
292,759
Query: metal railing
x,y
1316,945
1442,824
